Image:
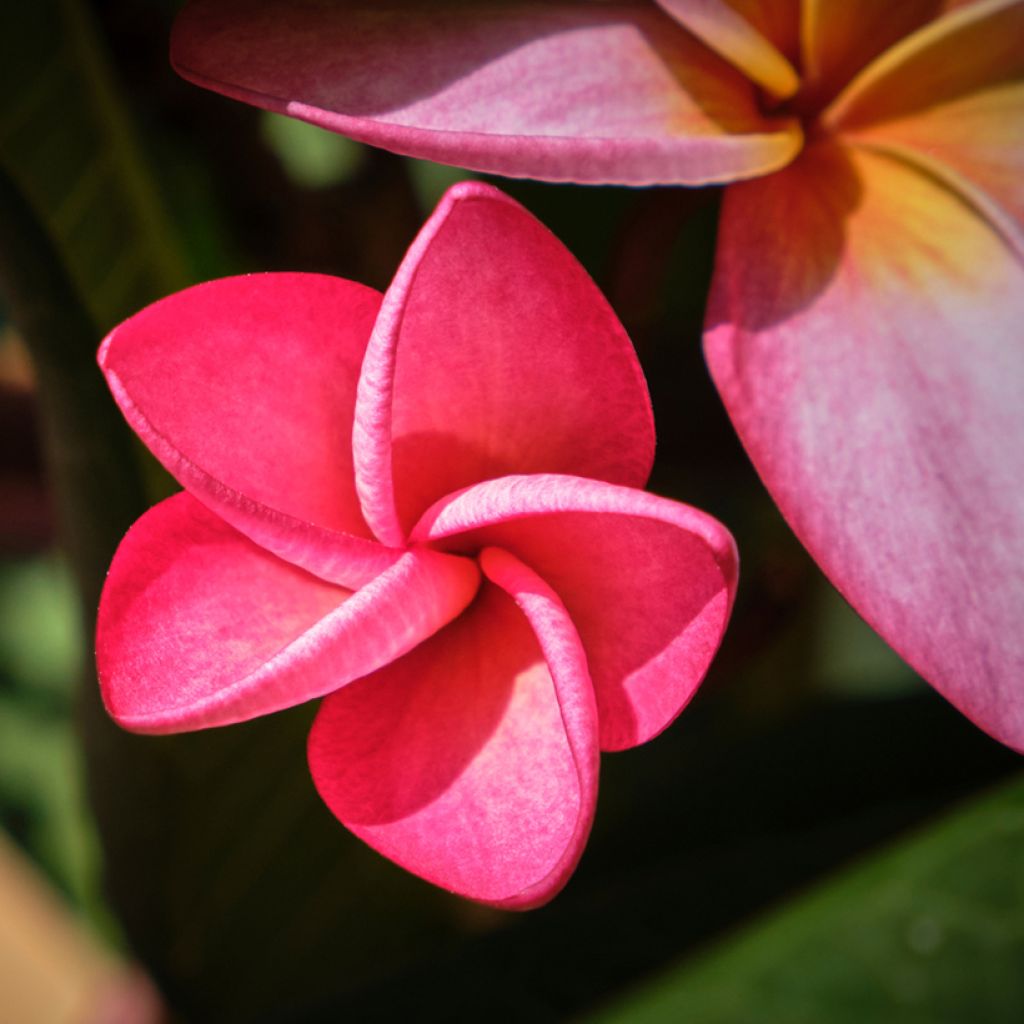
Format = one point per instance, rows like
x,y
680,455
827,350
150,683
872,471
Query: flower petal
x,y
552,90
974,47
493,353
976,144
244,389
473,760
722,25
839,38
200,627
870,359
648,583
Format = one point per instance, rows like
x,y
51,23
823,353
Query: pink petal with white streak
x,y
200,627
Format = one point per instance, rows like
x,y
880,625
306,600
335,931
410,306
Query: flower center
x,y
805,105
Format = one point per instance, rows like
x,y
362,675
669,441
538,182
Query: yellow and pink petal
x,y
870,359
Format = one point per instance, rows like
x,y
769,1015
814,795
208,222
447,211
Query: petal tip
x,y
103,352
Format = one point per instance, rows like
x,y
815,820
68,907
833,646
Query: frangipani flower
x,y
864,327
420,506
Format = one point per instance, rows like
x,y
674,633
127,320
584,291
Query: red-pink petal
x,y
244,388
562,91
473,760
494,353
870,359
648,583
200,627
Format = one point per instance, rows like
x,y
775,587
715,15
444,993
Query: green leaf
x,y
66,141
931,932
310,156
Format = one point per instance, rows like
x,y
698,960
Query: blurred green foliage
x,y
311,157
928,933
66,140
41,800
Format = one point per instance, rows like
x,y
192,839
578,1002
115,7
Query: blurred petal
x,y
200,627
648,583
493,353
587,92
840,38
974,47
723,27
244,389
777,20
976,144
472,761
870,359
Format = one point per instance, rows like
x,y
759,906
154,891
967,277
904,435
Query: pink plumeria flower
x,y
865,322
422,507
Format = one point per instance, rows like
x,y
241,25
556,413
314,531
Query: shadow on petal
x,y
442,62
808,204
393,742
647,600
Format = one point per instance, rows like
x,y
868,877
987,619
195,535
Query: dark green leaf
x,y
929,933
66,142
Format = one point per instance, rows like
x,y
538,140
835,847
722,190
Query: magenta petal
x,y
244,388
200,627
494,353
871,360
473,760
563,91
648,583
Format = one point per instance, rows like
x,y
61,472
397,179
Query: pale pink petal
x,y
493,353
562,91
200,627
473,760
722,26
648,583
974,47
244,389
870,359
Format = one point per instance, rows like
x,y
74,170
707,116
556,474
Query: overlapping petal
x,y
199,626
973,47
473,760
599,92
244,388
975,144
648,583
840,38
723,26
870,360
494,353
